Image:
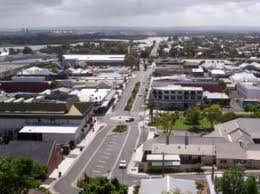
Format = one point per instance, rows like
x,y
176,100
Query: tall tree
x,y
213,114
192,116
27,50
18,175
168,121
151,105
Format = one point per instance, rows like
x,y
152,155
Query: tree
x,y
151,105
249,186
132,60
27,50
213,114
18,175
101,185
168,121
233,182
192,116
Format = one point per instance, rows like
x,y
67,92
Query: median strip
x,y
132,98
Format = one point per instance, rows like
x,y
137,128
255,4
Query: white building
x,y
95,59
248,89
60,134
176,96
217,73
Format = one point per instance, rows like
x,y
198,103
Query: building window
x,y
160,97
173,97
223,161
166,92
179,97
186,97
166,97
172,92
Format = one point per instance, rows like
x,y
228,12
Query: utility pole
x,y
163,164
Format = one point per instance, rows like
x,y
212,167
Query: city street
x,y
102,156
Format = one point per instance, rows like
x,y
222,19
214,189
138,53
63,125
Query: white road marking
x,y
96,171
99,166
102,161
105,157
120,153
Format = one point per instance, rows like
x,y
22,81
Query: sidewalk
x,y
69,160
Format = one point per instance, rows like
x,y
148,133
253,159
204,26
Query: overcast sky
x,y
57,13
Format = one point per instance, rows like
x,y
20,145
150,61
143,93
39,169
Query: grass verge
x,y
120,129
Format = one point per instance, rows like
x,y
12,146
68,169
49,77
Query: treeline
x,y
48,38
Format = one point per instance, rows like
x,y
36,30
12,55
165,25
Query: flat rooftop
x,y
178,87
49,129
95,57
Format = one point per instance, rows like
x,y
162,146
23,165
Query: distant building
x,y
248,89
74,59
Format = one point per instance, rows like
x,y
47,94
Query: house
x,y
166,185
245,130
46,152
189,149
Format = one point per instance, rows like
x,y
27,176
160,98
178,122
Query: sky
x,y
143,13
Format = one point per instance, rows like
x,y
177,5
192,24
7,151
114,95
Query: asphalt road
x,y
102,156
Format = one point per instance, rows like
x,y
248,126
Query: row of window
x,y
177,97
234,161
177,92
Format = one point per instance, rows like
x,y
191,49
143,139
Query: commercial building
x,y
216,98
248,89
103,98
95,59
15,114
176,96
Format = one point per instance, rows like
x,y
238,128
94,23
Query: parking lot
x,y
106,156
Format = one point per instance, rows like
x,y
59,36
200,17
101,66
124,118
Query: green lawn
x,y
182,125
120,129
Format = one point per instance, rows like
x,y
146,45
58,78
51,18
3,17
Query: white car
x,y
122,164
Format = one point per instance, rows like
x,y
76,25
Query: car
x,y
122,164
128,120
140,95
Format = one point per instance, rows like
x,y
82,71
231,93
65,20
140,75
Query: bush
x,y
197,168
